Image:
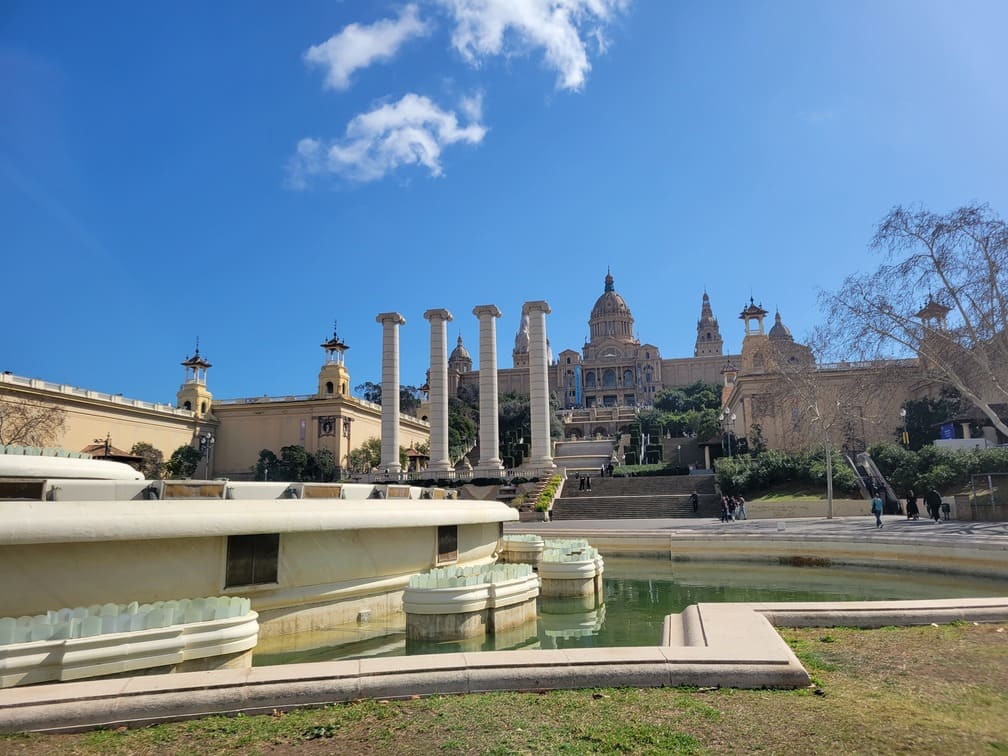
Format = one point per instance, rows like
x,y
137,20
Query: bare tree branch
x,y
954,264
29,423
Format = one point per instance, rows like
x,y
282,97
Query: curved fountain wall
x,y
456,603
71,644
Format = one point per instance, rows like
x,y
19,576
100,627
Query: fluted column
x,y
489,430
541,452
390,322
438,385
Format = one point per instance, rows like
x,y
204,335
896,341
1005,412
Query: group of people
x,y
732,508
936,508
584,481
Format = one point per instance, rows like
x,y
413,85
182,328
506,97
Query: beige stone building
x,y
231,431
797,403
614,373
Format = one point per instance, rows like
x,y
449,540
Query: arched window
x,y
609,378
188,405
329,387
628,378
590,380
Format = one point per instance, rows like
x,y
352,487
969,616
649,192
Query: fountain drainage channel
x,y
637,594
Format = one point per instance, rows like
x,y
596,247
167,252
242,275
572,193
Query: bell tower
x,y
708,338
333,378
193,394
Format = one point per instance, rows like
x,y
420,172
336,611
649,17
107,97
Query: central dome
x,y
611,317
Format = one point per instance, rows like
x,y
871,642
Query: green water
x,y
638,594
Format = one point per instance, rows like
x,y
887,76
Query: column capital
x,y
391,317
441,315
539,305
480,310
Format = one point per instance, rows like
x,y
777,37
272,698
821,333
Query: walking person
x,y
912,511
695,501
933,501
740,509
876,508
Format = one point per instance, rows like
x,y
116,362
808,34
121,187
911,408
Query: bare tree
x,y
941,294
829,404
29,423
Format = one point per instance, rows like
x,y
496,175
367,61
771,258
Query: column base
x,y
545,463
489,471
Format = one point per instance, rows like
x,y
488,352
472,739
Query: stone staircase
x,y
637,498
583,456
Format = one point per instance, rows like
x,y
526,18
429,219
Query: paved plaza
x,y
897,528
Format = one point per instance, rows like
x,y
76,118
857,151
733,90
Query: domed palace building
x,y
601,386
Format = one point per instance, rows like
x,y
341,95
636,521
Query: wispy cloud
x,y
495,27
357,46
411,131
816,116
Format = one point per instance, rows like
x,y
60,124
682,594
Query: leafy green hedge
x,y
749,473
547,494
934,467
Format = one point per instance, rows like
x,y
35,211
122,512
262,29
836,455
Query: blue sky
x,y
248,173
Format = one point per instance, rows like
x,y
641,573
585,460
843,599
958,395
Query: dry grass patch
x,y
894,690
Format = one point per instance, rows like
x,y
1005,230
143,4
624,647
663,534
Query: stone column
x,y
540,455
439,459
390,391
490,464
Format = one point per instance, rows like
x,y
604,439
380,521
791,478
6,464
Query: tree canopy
x,y
152,465
941,293
183,462
409,396
690,410
295,463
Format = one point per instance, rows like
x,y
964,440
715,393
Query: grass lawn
x,y
894,690
795,492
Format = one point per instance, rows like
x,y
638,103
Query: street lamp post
x,y
728,425
206,444
904,436
347,421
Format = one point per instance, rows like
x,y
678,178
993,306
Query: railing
x,y
461,476
305,397
62,388
865,364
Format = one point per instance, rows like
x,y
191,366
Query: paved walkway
x,y
896,528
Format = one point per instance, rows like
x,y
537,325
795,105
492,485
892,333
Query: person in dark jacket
x,y
913,512
932,499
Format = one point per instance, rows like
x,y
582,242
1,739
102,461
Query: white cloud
x,y
357,46
495,27
815,116
411,131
